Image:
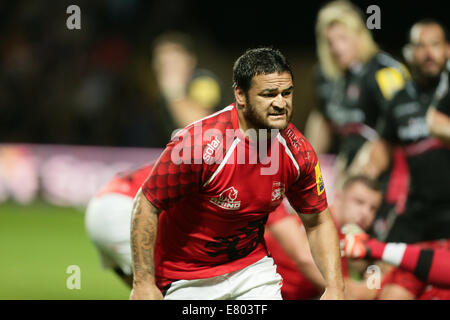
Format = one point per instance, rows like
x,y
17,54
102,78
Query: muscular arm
x,y
438,124
144,226
324,243
291,236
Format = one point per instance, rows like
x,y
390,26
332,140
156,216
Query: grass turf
x,y
37,244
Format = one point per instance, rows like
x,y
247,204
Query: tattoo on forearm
x,y
143,237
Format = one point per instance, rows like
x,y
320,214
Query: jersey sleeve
x,y
307,194
175,175
388,78
441,99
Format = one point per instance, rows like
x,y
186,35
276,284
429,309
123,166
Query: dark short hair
x,y
370,183
263,60
175,37
428,21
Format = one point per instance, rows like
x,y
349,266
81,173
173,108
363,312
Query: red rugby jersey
x,y
127,183
217,192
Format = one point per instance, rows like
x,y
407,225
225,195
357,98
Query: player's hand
x,y
333,294
354,244
147,292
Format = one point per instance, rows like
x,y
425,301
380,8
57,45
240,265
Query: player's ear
x,y
240,96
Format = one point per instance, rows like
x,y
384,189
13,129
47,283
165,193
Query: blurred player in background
x,y
360,79
356,203
108,217
355,82
427,214
209,238
187,93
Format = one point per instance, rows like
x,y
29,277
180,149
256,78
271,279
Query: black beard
x,y
425,79
259,122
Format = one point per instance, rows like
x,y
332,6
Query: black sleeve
x,y
424,264
385,82
386,124
441,100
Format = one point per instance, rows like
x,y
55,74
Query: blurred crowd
x,y
94,86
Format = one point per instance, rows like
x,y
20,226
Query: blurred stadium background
x,y
75,108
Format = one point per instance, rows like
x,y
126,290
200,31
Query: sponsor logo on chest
x,y
227,199
209,150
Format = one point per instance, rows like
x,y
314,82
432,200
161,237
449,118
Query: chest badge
x,y
278,191
227,199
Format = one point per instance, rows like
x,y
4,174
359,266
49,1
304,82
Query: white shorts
x,y
258,281
108,223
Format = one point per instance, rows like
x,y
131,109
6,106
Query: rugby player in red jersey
x,y
107,220
108,216
217,181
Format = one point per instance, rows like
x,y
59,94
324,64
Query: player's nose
x,y
279,101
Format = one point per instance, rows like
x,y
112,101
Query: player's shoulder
x,y
298,145
383,60
389,74
294,138
203,141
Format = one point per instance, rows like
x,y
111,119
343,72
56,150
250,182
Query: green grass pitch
x,y
37,244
